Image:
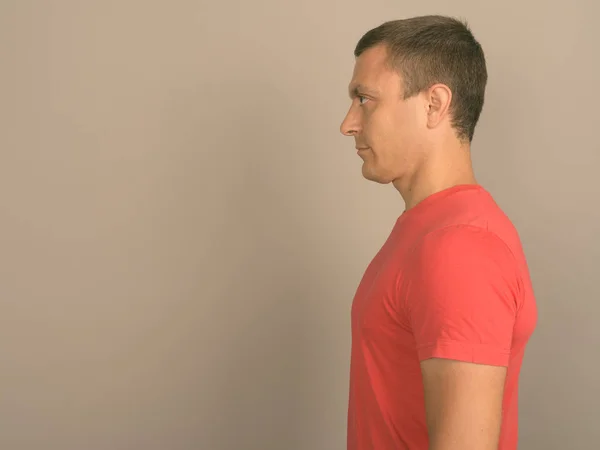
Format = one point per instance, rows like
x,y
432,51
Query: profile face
x,y
385,126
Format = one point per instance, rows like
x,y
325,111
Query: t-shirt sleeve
x,y
463,296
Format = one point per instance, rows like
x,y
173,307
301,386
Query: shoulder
x,y
461,258
460,242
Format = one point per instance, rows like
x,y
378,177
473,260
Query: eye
x,y
362,99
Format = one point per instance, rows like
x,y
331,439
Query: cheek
x,y
381,125
392,132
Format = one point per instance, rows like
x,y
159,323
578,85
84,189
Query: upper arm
x,y
463,402
464,292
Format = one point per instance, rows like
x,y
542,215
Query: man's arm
x,y
463,403
464,298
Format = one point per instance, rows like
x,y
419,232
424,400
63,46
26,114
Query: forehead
x,y
373,73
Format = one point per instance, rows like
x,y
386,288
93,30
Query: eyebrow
x,y
361,89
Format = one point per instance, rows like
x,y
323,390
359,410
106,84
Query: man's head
x,y
418,84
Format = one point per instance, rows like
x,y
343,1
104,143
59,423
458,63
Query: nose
x,y
351,124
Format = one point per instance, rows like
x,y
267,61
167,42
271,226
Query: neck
x,y
441,169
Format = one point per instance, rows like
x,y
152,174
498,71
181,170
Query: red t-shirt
x,y
451,281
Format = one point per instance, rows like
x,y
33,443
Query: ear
x,y
439,97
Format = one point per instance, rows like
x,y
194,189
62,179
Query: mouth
x,y
360,150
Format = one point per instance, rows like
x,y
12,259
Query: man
x,y
444,311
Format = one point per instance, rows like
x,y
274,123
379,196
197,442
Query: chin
x,y
375,177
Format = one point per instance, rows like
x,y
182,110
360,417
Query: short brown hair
x,y
432,49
